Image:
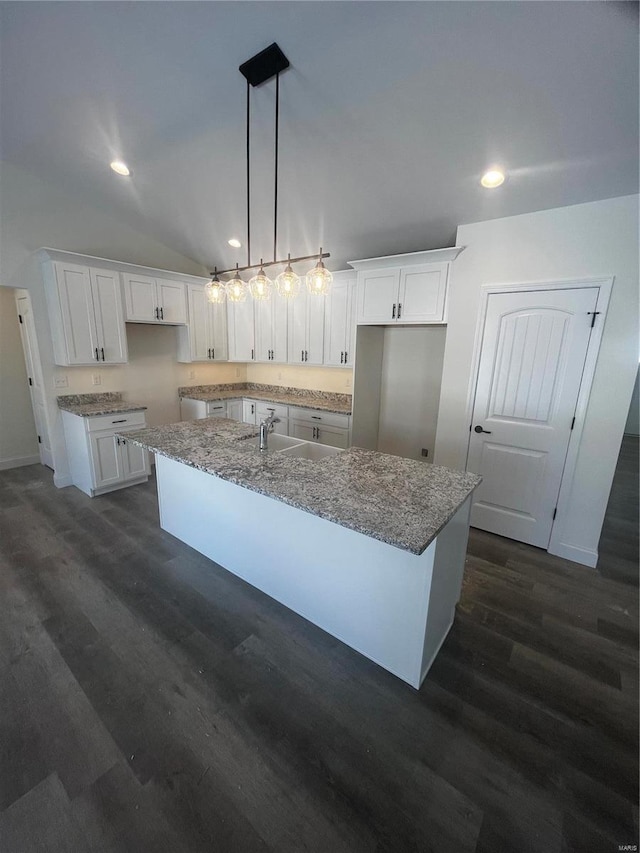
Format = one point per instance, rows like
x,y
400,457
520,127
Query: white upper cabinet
x,y
339,320
154,300
306,328
204,338
404,288
271,329
85,310
241,330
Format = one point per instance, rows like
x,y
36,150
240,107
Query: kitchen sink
x,y
275,442
314,452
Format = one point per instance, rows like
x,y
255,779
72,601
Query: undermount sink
x,y
288,446
314,452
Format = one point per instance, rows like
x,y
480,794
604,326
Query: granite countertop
x,y
399,501
324,401
90,405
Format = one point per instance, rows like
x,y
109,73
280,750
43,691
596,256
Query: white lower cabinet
x,y
323,428
99,460
193,410
234,410
265,410
249,411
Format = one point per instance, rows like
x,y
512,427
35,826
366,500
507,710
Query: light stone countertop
x,y
323,401
91,405
399,501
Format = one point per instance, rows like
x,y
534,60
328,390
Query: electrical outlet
x,y
347,383
96,379
192,374
279,374
61,382
425,451
237,372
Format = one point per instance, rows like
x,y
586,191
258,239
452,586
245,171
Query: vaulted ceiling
x,y
390,113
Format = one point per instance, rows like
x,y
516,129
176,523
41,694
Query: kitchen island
x,y
369,547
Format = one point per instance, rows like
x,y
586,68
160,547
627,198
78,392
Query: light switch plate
x,y
96,379
192,374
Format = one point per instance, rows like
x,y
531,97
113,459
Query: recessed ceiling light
x,y
235,243
120,168
492,179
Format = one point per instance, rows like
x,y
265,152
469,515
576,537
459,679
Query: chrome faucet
x,y
266,426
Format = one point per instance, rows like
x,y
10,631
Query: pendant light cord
x,y
275,192
248,176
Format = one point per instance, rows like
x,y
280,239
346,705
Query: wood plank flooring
x,y
150,701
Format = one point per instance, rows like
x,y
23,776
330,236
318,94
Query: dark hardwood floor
x,y
150,701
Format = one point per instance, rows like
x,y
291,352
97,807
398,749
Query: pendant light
x,y
267,64
319,278
288,282
260,285
216,290
237,288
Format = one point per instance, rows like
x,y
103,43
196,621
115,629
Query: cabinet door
x,y
199,323
106,459
234,410
248,412
78,316
422,293
140,298
300,429
172,301
241,330
265,333
332,436
217,318
314,349
338,325
107,303
135,460
377,296
297,328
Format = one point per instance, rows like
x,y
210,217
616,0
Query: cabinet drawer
x,y
264,409
116,422
217,409
317,417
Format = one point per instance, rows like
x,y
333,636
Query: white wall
x,y
18,439
410,389
595,239
632,427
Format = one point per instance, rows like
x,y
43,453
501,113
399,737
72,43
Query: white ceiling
x,y
389,114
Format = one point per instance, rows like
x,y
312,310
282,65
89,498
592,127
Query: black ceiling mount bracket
x,y
264,65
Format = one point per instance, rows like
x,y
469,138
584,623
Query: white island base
x,y
390,605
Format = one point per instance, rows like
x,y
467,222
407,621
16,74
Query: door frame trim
x,y
604,285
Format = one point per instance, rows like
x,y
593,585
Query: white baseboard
x,y
584,556
62,482
18,462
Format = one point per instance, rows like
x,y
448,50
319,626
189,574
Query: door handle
x,y
479,429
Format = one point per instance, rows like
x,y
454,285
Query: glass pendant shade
x,y
216,290
288,283
319,279
260,285
237,289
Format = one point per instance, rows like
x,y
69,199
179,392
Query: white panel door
x,y
422,294
107,303
172,302
78,317
377,296
36,387
533,352
141,305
